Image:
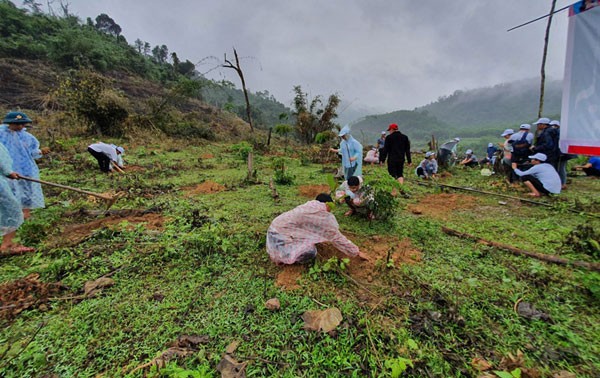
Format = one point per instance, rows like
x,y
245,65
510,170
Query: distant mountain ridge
x,y
476,113
509,103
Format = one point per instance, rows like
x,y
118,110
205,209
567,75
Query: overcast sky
x,y
383,55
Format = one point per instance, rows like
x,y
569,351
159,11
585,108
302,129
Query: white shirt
x,y
546,174
106,149
517,136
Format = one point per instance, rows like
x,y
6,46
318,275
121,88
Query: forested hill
x,y
473,113
45,59
507,104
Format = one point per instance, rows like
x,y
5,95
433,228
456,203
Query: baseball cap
x,y
525,126
545,121
490,144
554,123
121,149
507,132
457,139
383,133
429,154
469,152
539,156
392,126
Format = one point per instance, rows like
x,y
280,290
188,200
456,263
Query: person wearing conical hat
x,y
24,150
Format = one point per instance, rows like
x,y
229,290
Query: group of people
x,y
392,146
19,192
537,162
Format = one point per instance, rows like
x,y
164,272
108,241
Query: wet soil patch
x,y
76,233
380,250
204,188
289,275
19,295
134,168
442,205
311,191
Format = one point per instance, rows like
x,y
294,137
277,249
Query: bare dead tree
x,y
238,69
543,70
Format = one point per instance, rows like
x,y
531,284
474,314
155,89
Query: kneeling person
x,y
542,178
356,196
293,235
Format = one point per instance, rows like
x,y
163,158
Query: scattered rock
x,y
273,304
527,310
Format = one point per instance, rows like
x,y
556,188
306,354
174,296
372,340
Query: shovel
x,y
110,200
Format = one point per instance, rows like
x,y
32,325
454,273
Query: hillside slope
x,y
476,113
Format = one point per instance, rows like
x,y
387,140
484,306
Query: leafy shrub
x,y
385,191
584,239
242,149
190,130
90,98
281,176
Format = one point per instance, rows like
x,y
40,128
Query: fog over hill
x,y
479,112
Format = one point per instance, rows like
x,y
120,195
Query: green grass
x,y
207,273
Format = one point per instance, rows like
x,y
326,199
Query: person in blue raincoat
x,y
24,149
11,216
351,151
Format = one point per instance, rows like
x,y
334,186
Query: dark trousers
x,y
396,168
591,171
103,160
536,184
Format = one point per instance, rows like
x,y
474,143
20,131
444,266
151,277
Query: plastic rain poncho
x,y
24,148
292,236
350,147
11,215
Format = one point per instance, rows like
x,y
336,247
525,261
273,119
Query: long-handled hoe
x,y
110,200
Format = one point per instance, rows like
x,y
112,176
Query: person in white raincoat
x,y
351,151
11,216
293,235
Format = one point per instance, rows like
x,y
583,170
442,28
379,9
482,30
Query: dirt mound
x,y
75,234
441,205
287,279
311,191
376,247
204,188
207,156
19,295
134,168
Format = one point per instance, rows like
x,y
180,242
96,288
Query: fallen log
x,y
520,252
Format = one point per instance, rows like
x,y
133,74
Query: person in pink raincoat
x,y
293,235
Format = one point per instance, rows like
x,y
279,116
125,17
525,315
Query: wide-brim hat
x,y
16,117
525,126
